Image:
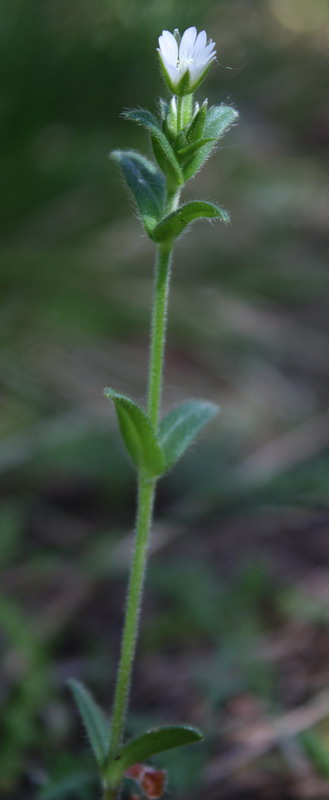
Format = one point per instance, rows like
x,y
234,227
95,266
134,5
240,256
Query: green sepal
x,y
162,148
146,183
95,722
164,109
195,129
170,126
138,435
218,121
173,224
182,88
150,744
180,427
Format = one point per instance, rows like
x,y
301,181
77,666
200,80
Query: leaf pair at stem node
x,y
153,453
179,156
97,728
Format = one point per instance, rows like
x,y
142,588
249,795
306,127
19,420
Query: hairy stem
x,y
146,491
179,113
146,495
158,332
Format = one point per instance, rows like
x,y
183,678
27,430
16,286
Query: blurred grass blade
x,y
96,724
317,750
181,426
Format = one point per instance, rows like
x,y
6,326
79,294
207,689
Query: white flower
x,y
186,60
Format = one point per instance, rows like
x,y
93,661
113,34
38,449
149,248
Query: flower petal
x,y
172,71
169,47
209,51
187,43
200,42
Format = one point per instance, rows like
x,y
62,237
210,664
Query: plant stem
x,y
146,494
158,331
146,490
179,113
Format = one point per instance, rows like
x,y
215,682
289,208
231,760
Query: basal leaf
x,y
162,148
181,426
138,434
146,183
218,121
96,724
173,224
149,744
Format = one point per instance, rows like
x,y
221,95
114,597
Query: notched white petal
x,y
189,56
201,40
187,43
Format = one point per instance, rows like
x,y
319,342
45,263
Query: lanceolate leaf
x,y
218,121
173,224
181,426
95,722
146,183
162,148
189,149
138,435
151,743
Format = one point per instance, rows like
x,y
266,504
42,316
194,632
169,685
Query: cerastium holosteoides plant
x,y
182,136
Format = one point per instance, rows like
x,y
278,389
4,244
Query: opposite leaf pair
x,y
137,750
154,453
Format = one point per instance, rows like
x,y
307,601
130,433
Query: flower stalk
x,y
158,329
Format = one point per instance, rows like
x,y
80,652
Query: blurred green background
x,y
235,629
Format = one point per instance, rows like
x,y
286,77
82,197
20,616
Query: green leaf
x,y
218,121
162,148
189,149
95,722
181,426
146,183
138,434
173,224
149,744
